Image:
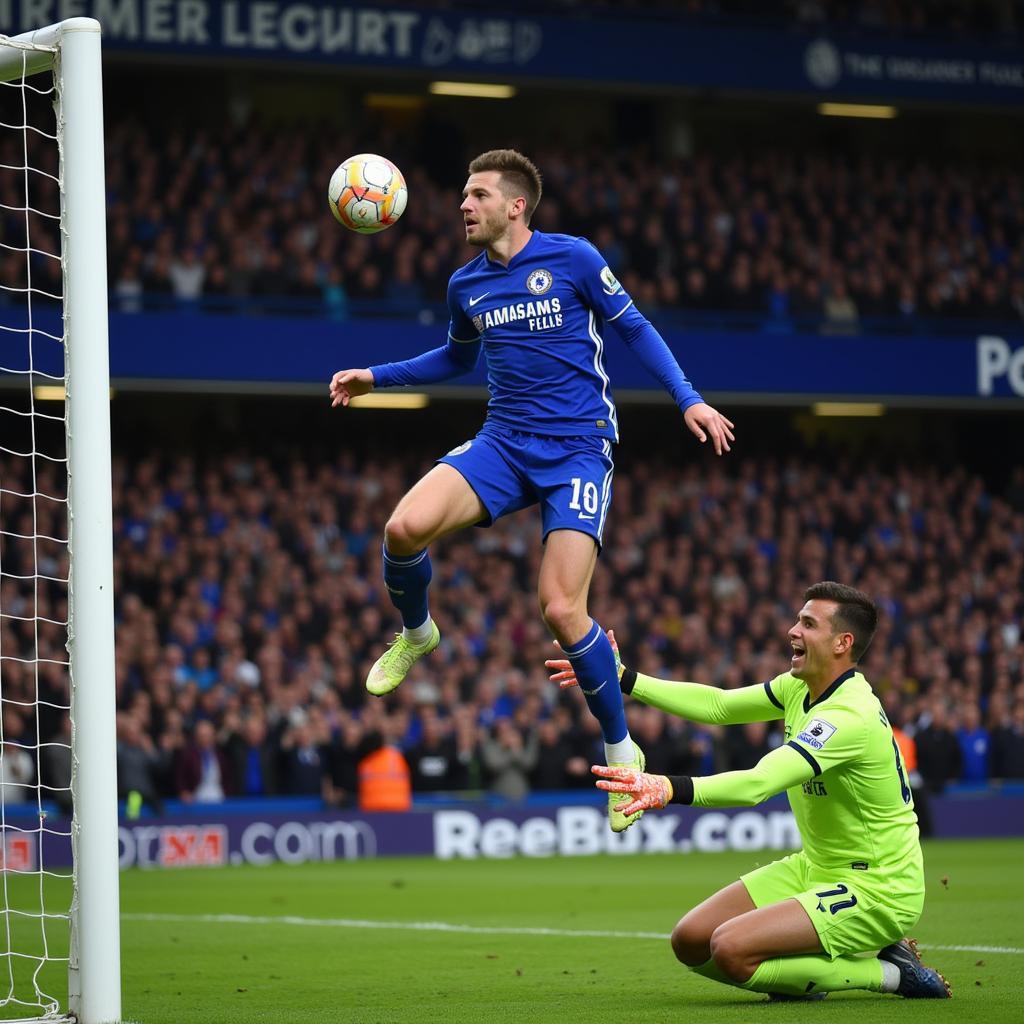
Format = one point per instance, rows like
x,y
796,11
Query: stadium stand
x,y
250,607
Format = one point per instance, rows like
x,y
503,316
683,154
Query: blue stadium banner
x,y
600,48
297,351
268,353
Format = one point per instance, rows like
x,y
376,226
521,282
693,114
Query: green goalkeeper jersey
x,y
839,765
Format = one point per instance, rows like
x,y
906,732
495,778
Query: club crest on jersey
x,y
816,733
539,281
609,283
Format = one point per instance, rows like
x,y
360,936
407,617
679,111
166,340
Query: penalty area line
x,y
461,929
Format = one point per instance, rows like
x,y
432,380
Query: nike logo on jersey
x,y
473,302
590,693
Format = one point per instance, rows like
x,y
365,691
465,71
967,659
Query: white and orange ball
x,y
367,193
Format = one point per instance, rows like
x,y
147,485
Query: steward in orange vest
x,y
384,782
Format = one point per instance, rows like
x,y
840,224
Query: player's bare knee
x,y
690,945
729,954
560,615
402,536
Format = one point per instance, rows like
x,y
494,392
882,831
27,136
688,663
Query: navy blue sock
x,y
407,578
594,662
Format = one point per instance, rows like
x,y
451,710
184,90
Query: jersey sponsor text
x,y
540,315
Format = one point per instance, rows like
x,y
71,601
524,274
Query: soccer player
x,y
536,304
794,928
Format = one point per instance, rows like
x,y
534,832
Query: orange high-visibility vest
x,y
908,749
384,782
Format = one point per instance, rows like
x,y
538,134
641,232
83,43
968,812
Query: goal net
x,y
59,937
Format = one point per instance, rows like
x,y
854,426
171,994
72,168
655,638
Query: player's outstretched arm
x,y
776,772
695,701
349,384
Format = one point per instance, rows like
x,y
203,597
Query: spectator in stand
x,y
1008,746
746,745
305,755
467,746
187,274
384,779
939,755
128,282
252,758
202,774
341,781
509,757
17,773
974,743
434,761
840,310
554,753
305,286
55,768
138,767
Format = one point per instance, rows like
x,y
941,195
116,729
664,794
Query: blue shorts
x,y
571,477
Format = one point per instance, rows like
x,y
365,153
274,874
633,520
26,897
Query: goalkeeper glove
x,y
648,791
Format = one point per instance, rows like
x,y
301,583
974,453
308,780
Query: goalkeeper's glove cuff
x,y
627,679
682,789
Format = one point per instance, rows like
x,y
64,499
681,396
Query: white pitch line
x,y
463,929
972,949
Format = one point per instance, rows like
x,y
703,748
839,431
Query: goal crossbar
x,y
36,51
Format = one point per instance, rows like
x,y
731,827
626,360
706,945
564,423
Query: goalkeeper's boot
x,y
916,980
394,664
618,821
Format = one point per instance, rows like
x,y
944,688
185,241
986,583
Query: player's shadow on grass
x,y
757,1002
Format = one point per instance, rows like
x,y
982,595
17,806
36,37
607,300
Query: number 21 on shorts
x,y
587,492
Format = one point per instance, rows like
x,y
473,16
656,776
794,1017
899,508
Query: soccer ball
x,y
367,193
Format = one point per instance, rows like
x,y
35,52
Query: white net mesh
x,y
35,727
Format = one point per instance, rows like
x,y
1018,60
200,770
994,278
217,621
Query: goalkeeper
x,y
794,928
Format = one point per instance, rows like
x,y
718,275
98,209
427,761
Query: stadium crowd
x,y
777,237
238,221
250,606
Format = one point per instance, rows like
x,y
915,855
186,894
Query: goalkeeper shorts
x,y
852,911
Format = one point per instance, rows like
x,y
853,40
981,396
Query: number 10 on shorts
x,y
588,492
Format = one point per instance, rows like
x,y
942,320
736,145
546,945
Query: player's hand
x,y
648,791
706,422
562,671
349,384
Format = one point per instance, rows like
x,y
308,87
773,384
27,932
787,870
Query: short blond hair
x,y
519,175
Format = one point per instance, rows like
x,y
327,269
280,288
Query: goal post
x,y
71,51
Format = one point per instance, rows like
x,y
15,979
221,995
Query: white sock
x,y
622,752
890,977
420,635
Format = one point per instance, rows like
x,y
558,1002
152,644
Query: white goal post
x,y
71,52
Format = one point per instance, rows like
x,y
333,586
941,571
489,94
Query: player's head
x,y
503,188
834,628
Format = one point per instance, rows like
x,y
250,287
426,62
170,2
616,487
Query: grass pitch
x,y
554,940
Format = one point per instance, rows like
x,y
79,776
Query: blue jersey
x,y
540,322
